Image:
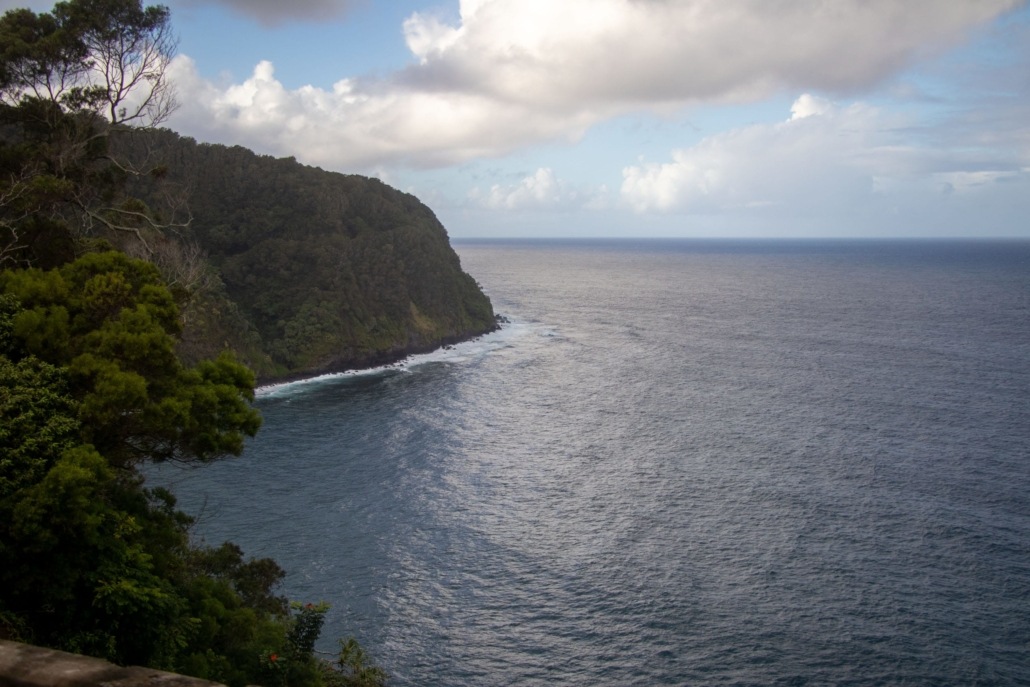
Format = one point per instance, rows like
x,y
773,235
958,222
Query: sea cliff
x,y
306,271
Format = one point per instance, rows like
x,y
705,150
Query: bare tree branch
x,y
129,64
70,80
12,214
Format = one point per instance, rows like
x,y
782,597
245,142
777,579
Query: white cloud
x,y
512,73
966,182
813,159
808,105
354,126
541,190
538,190
618,52
832,162
426,35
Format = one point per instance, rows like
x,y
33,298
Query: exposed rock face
x,y
23,665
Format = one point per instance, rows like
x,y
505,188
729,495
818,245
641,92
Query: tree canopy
x,y
89,388
70,80
90,559
106,57
110,322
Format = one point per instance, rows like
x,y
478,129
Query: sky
x,y
640,118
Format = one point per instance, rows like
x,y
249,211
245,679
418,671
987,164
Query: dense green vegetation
x,y
317,271
139,271
91,560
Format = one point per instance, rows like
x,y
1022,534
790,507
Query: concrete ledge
x,y
23,665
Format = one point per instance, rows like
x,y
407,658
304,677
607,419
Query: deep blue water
x,y
723,463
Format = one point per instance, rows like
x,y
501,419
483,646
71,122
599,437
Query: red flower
x,y
273,657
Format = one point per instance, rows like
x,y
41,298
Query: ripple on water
x,y
729,465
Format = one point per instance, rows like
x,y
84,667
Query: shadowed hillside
x,y
313,271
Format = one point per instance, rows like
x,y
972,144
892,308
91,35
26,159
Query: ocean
x,y
678,463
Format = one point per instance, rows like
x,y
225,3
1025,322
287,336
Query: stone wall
x,y
22,665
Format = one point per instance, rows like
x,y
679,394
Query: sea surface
x,y
679,463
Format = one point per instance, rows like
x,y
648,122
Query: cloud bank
x,y
821,156
838,165
513,73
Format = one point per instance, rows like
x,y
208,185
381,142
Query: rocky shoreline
x,y
378,358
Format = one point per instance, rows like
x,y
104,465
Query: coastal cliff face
x,y
306,271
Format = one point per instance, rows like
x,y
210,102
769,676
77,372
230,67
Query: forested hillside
x,y
318,271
